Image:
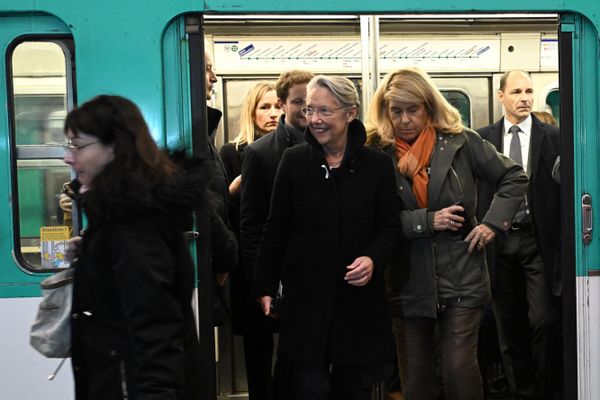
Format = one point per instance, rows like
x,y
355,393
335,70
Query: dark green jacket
x,y
433,268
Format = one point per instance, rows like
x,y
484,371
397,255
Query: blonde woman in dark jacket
x,y
439,280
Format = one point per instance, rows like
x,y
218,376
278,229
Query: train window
x,y
553,104
461,102
235,94
41,95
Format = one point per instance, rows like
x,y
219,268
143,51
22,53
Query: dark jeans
x,y
457,342
307,381
521,305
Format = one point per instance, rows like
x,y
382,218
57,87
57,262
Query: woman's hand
x,y
447,219
234,187
360,271
480,236
72,248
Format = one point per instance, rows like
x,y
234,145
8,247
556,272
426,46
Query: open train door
x,y
579,180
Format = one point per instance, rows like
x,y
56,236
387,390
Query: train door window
x,y
461,102
553,104
235,94
41,94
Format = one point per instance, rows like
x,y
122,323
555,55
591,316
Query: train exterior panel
x,y
140,50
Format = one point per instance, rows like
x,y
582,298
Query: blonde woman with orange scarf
x,y
439,281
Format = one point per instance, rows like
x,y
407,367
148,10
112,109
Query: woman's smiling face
x,y
327,120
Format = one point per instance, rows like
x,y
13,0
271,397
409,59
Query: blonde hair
x,y
248,127
409,85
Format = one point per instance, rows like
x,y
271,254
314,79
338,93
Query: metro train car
x,y
60,53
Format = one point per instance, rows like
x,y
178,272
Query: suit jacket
x,y
543,194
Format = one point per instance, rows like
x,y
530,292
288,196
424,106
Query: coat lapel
x,y
496,136
535,150
443,154
403,185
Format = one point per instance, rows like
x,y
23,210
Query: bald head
x,y
516,95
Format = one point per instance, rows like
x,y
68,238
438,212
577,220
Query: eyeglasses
x,y
324,111
73,148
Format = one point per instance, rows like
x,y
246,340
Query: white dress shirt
x,y
524,135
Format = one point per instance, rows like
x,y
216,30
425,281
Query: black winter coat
x,y
320,221
133,331
260,161
259,167
246,315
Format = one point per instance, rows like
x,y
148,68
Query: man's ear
x,y
282,105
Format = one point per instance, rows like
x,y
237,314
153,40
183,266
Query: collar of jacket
x,y
213,116
290,135
357,136
444,150
538,130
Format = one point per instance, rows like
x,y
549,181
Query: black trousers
x,y
308,381
521,306
258,353
458,329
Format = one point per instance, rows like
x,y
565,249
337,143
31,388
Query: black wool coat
x,y
543,194
133,330
320,221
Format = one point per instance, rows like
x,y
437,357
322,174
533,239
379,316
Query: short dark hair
x,y
288,79
505,76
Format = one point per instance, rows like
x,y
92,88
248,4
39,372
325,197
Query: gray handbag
x,y
50,334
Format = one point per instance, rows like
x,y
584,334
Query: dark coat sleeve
x,y
254,207
224,246
267,272
146,273
502,173
387,223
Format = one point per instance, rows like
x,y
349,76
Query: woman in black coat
x,y
331,229
133,330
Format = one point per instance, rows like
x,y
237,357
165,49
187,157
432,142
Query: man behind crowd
x,y
224,246
259,166
522,263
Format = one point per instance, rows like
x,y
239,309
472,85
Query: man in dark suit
x,y
259,167
522,262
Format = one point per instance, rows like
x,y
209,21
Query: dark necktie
x,y
515,145
522,215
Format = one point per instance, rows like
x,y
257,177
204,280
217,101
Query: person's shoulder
x,y
228,148
262,143
376,155
548,129
294,151
486,130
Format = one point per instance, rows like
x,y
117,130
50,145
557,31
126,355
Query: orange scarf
x,y
414,159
